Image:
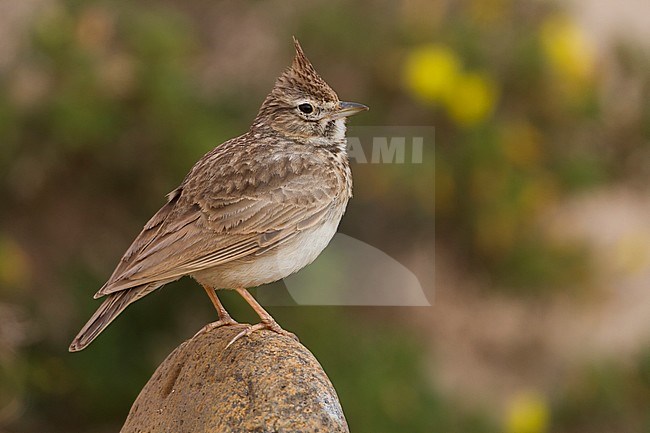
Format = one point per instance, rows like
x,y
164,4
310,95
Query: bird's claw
x,y
218,324
272,326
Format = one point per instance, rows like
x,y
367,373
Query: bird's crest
x,y
302,78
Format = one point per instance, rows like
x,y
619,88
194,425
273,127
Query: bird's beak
x,y
346,109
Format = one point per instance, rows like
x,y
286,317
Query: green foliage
x,y
113,93
502,171
606,396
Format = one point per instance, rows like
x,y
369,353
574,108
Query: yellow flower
x,y
430,72
433,74
527,413
472,100
568,51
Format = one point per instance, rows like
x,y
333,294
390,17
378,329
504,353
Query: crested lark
x,y
252,211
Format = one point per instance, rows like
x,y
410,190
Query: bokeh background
x,y
541,309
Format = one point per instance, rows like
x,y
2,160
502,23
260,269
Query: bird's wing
x,y
203,227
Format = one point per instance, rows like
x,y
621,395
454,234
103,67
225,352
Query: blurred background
x,y
541,309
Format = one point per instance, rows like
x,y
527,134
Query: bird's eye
x,y
306,108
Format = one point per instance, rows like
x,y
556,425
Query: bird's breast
x,y
275,264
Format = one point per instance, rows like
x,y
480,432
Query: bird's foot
x,y
272,326
229,321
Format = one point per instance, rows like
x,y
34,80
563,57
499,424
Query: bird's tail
x,y
114,304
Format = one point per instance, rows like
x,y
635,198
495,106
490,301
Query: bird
x,y
251,211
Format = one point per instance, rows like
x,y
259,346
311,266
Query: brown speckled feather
x,y
253,210
208,222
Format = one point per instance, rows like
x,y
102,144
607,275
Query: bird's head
x,y
302,106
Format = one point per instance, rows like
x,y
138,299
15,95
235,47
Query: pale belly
x,y
272,265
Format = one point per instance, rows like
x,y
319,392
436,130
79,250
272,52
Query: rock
x,y
264,382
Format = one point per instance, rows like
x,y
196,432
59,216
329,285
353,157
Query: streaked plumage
x,y
253,210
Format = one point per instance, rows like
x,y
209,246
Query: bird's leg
x,y
267,321
221,311
224,317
